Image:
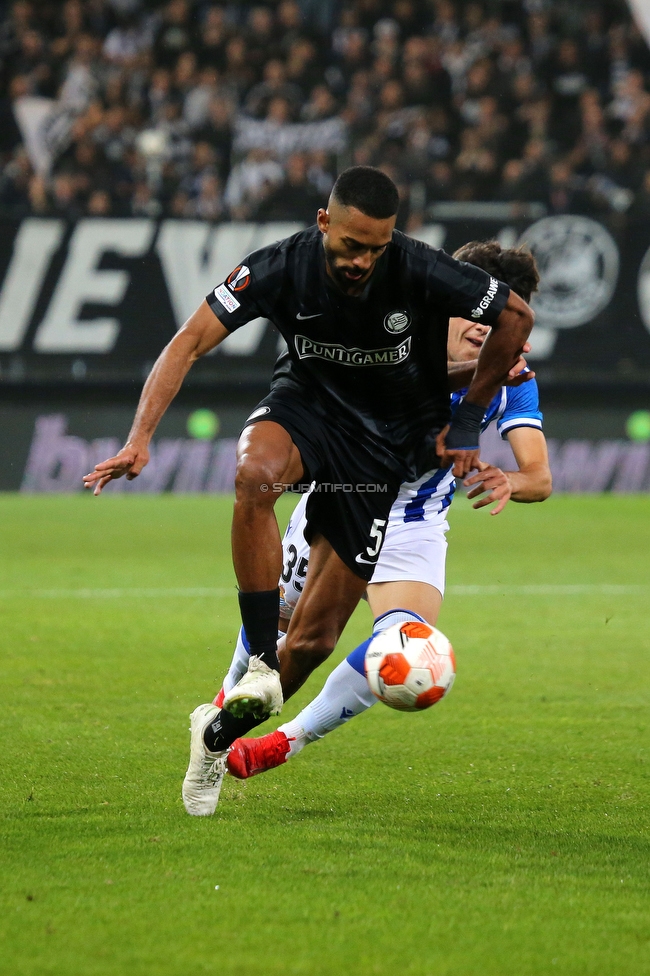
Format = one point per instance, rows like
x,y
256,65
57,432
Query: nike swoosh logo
x,y
301,318
361,559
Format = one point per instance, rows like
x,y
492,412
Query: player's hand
x,y
520,374
495,482
129,461
463,461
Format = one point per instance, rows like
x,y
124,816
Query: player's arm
x,y
461,374
504,345
201,333
530,483
501,350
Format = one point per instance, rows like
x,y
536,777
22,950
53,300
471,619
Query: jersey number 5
x,y
377,533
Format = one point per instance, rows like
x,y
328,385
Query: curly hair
x,y
514,265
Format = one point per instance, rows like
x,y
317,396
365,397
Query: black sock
x,y
259,614
226,728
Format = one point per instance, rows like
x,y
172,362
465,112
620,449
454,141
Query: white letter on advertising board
x,y
81,282
35,243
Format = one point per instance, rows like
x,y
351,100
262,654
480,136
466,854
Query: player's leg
x,y
331,593
345,528
295,560
240,662
415,551
345,695
266,456
422,598
259,693
346,692
268,459
334,585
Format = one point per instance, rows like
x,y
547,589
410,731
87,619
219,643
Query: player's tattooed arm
x,y
201,333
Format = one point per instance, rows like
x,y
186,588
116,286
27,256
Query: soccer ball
x,y
410,666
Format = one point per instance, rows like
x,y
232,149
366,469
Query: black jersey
x,y
377,362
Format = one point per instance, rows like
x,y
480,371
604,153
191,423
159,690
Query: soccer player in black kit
x,y
359,403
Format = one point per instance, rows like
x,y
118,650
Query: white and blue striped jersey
x,y
431,495
414,545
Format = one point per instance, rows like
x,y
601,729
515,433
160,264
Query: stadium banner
x,y
93,303
49,452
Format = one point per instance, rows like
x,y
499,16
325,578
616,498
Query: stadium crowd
x,y
239,110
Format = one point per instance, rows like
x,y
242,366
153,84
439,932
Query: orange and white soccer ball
x,y
410,666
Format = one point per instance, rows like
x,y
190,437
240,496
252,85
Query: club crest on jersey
x,y
397,321
239,279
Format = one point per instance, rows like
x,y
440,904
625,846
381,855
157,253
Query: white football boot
x,y
205,773
257,695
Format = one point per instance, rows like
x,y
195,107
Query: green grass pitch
x,y
504,832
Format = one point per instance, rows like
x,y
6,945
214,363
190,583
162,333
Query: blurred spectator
x,y
296,198
569,81
144,203
217,131
622,165
227,111
32,59
274,85
114,135
321,105
514,185
198,97
125,42
475,170
99,204
250,181
174,34
14,185
65,198
211,40
564,194
439,183
208,203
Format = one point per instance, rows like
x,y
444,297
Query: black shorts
x,y
354,488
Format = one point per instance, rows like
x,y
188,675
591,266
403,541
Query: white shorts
x,y
414,549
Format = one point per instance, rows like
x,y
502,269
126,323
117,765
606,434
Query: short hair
x,y
514,265
367,189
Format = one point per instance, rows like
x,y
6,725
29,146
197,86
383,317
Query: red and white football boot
x,y
248,757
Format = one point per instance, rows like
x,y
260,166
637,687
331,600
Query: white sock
x,y
239,663
345,694
391,617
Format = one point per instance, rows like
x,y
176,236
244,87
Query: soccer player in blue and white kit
x,y
410,573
